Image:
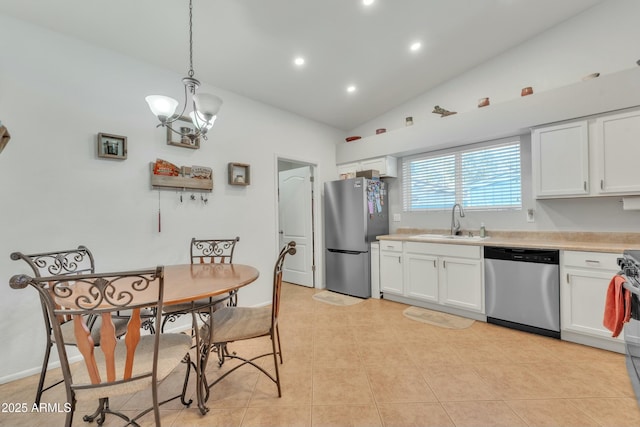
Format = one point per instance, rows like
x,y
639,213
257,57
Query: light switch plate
x,y
530,216
396,217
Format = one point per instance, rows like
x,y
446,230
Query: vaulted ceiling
x,y
249,46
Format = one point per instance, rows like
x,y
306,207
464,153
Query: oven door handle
x,y
630,287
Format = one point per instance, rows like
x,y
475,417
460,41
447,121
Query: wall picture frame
x,y
185,126
239,174
112,146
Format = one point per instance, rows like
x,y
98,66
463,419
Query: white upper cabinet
x,y
587,158
348,170
387,166
560,156
617,147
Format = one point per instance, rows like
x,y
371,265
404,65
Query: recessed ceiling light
x,y
367,2
351,88
299,61
415,46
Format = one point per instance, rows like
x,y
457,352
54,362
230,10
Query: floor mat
x,y
335,298
444,320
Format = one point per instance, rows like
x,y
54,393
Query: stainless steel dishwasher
x,y
522,289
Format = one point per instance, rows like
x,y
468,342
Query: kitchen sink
x,y
446,237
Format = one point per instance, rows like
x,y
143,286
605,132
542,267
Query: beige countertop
x,y
574,241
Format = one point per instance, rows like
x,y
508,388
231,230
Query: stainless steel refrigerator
x,y
355,212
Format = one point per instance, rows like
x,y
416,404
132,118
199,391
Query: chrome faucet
x,y
455,224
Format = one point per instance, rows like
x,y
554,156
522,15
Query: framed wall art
x,y
112,146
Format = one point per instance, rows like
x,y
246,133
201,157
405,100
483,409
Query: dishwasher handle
x,y
540,256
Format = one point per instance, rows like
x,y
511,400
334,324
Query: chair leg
x,y
43,372
187,360
99,412
69,418
233,298
275,364
279,345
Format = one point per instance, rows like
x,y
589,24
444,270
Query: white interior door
x,y
295,216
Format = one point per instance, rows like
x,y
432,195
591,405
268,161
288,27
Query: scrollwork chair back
x,y
215,251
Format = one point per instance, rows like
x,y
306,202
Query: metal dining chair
x,y
231,324
205,251
117,367
68,262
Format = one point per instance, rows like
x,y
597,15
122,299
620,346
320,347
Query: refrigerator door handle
x,y
346,252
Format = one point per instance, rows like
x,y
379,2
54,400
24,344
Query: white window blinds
x,y
480,178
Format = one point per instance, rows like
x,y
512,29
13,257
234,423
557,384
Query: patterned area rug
x,y
444,320
335,298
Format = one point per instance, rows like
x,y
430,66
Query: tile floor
x,y
368,365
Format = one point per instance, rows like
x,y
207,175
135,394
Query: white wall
x,y
56,94
602,39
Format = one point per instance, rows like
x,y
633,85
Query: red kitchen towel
x,y
617,308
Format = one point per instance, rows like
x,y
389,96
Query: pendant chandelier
x,y
204,105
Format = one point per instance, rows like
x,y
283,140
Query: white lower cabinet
x,y
421,276
391,277
461,283
584,279
439,275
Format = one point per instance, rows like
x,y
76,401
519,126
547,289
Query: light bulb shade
x,y
207,105
200,123
162,106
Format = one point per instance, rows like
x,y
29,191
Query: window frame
x,y
458,153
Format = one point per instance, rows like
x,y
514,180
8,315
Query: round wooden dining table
x,y
191,282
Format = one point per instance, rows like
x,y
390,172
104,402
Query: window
x,y
480,178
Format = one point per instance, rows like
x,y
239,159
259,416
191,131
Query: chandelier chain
x,y
204,113
190,38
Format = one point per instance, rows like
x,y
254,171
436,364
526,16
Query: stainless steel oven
x,y
630,270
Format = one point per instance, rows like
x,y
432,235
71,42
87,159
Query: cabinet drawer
x,y
593,260
452,250
391,245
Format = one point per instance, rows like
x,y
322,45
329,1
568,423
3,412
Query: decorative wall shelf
x,y
607,93
239,174
185,141
180,182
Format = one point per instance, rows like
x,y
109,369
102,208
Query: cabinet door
x,y
391,272
387,166
461,283
378,164
583,296
348,170
560,157
421,276
618,150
